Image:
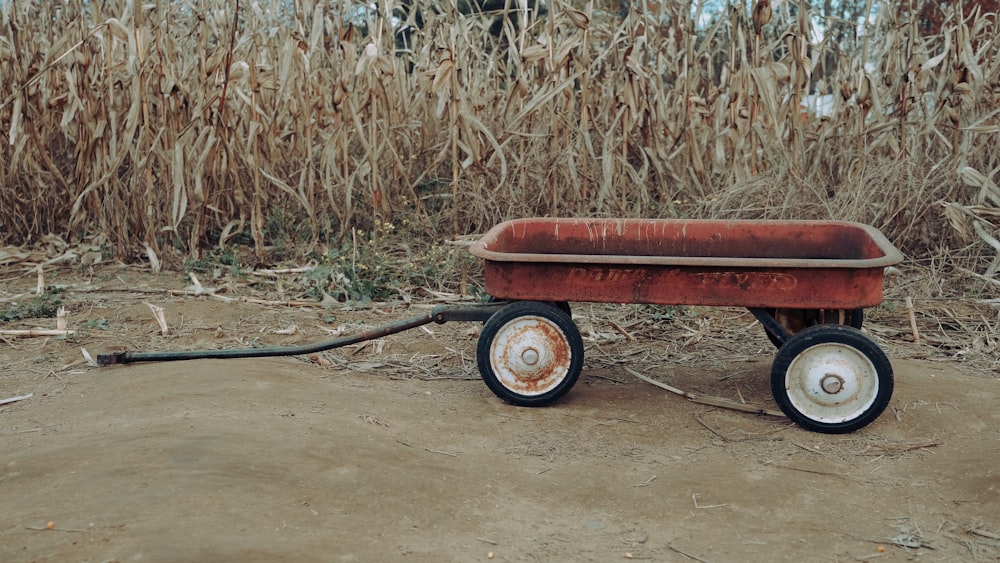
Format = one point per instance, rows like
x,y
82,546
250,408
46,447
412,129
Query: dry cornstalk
x,y
16,399
268,130
160,316
901,448
33,332
911,314
621,330
707,399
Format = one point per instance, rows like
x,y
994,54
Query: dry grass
x,y
183,124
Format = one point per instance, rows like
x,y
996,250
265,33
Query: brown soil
x,y
394,450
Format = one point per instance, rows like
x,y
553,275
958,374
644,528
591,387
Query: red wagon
x,y
807,282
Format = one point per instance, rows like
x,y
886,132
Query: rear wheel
x,y
530,353
831,379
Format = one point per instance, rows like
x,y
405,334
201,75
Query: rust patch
x,y
556,358
749,281
598,274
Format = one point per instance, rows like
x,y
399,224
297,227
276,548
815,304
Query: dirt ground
x,y
395,450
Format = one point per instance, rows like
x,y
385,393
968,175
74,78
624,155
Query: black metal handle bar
x,y
440,315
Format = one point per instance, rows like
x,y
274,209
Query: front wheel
x,y
831,379
530,353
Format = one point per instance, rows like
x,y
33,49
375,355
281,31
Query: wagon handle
x,y
440,315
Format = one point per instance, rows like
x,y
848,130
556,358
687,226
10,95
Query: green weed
x,y
42,306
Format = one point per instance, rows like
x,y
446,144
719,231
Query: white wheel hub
x,y
832,383
530,355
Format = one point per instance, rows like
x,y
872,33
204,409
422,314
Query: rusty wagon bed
x,y
775,264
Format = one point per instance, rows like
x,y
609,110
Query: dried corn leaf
x,y
576,17
988,190
179,204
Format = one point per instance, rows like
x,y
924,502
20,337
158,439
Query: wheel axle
x,y
832,383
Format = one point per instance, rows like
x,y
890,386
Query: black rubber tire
x,y
829,352
561,305
853,317
564,307
507,332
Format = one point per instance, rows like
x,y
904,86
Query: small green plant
x,y
100,324
215,261
360,271
665,312
890,305
440,265
41,306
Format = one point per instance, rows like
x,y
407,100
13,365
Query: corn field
x,y
182,125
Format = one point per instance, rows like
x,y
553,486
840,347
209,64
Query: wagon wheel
x,y
831,379
530,353
794,320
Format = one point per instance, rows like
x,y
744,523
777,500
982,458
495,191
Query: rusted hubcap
x,y
530,355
